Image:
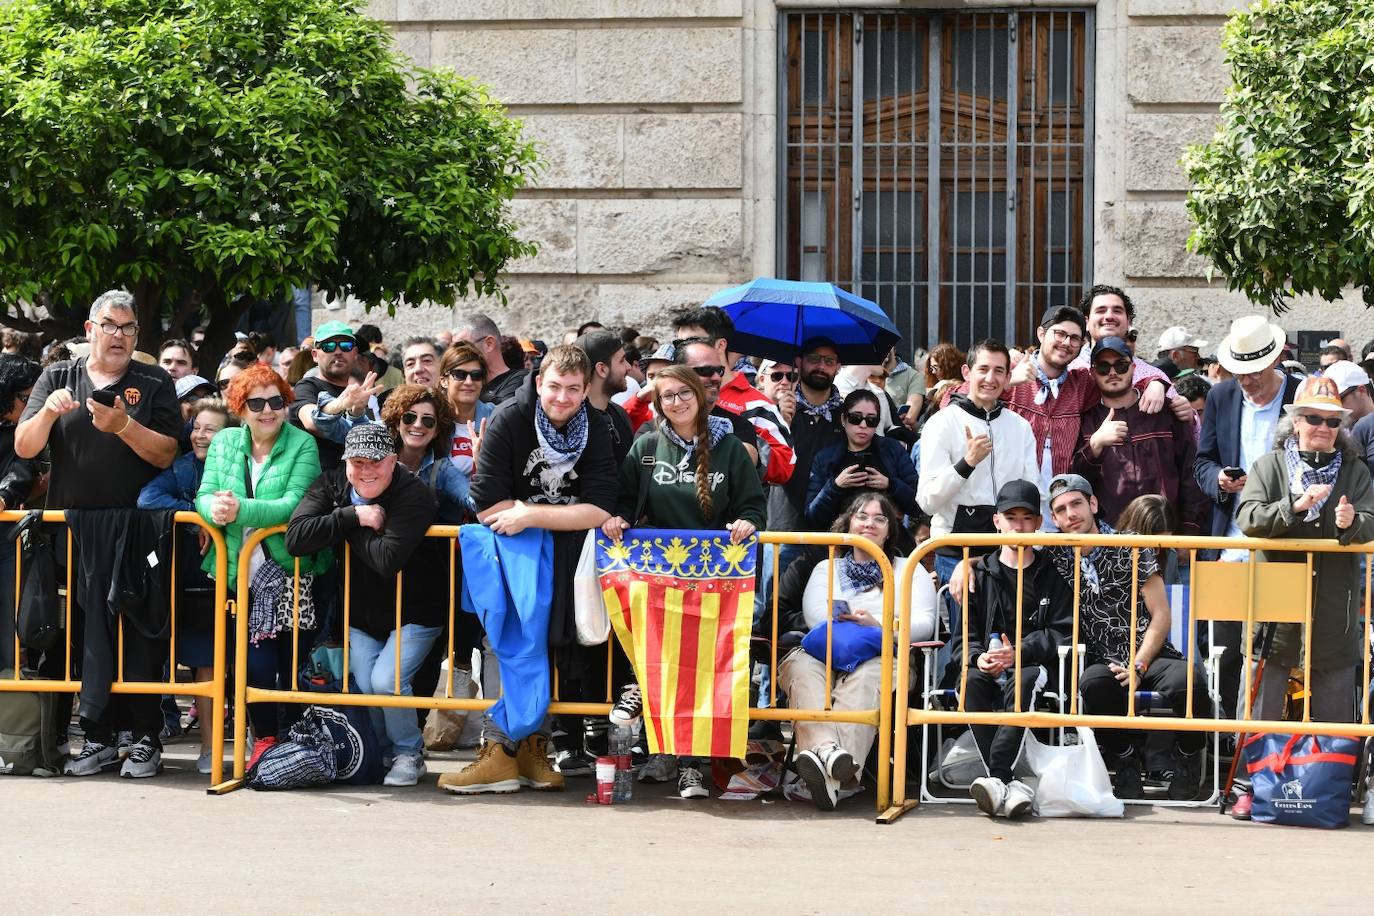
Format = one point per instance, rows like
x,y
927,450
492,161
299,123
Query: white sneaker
x,y
839,763
144,760
990,793
93,758
405,771
1019,800
203,763
824,788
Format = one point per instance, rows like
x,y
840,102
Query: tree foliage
x,y
202,153
1283,196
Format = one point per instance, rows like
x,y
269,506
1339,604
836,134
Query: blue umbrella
x,y
774,317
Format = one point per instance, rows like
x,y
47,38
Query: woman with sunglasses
x,y
1314,484
462,375
255,474
863,461
700,478
420,422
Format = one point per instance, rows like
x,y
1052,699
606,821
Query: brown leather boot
x,y
494,772
532,760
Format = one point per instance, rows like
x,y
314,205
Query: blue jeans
x,y
373,665
944,568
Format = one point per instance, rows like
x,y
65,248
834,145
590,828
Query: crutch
x,y
1266,642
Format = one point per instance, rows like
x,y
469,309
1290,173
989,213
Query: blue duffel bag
x,y
1301,780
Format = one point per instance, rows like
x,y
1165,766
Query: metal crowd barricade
x,y
879,717
212,690
1267,592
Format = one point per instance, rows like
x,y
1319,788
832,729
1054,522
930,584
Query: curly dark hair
x,y
403,398
17,375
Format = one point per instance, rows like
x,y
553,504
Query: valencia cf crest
x,y
131,396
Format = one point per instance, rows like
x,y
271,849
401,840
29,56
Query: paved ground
x,y
69,844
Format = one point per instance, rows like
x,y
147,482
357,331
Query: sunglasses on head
x,y
410,418
462,375
709,371
854,418
1315,420
276,402
1120,367
777,376
329,346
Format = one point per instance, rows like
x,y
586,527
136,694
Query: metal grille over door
x,y
980,204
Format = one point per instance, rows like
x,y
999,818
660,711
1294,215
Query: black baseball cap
x,y
1060,313
1018,494
1112,344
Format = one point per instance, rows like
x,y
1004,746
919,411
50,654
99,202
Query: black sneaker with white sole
x,y
144,760
573,763
690,783
629,707
93,758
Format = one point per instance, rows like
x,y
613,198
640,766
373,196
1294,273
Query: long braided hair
x,y
701,429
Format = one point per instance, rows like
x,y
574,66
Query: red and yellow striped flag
x,y
682,604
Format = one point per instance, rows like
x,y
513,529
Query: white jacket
x,y
942,489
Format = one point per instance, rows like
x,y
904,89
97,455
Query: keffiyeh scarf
x,y
717,428
826,410
859,576
562,447
1302,475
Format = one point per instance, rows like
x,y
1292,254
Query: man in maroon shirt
x,y
1124,452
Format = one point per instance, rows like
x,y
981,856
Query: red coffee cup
x,y
605,779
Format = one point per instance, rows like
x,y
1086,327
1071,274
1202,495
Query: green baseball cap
x,y
332,329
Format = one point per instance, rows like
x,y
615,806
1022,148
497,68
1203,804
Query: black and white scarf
x,y
717,428
859,576
1302,475
562,447
826,410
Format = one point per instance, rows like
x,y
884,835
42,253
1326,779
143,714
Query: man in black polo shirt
x,y
101,458
349,402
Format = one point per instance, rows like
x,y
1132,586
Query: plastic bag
x,y
593,623
1073,780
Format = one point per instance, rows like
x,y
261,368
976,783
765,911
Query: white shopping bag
x,y
593,623
1073,780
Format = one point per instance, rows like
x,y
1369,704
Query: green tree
x,y
1283,196
206,153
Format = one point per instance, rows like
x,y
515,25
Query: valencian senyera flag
x,y
682,604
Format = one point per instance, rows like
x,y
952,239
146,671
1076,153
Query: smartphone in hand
x,y
839,608
104,396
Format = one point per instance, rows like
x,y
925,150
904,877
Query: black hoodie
x,y
1046,611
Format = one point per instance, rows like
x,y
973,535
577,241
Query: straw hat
x,y
1317,393
1251,346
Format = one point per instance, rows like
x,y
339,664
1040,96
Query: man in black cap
x,y
1125,452
1046,623
1105,575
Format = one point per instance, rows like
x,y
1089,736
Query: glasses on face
x,y
815,359
790,375
110,329
1065,337
683,395
410,418
854,418
329,346
1119,366
275,402
709,371
863,518
1315,420
462,375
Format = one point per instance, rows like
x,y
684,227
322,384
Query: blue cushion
x,y
851,645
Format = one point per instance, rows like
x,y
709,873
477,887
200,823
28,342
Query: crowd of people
x,y
348,442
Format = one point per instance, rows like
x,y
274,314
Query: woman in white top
x,y
831,754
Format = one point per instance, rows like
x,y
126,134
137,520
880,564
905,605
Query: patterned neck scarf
x,y
745,368
1087,562
1302,475
1049,387
562,447
859,576
717,428
826,410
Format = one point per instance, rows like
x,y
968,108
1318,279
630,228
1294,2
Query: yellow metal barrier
x,y
1273,592
880,717
212,690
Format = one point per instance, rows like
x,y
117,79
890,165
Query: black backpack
x,y
41,621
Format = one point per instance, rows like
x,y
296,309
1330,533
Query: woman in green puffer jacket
x,y
255,475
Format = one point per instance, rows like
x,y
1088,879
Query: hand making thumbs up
x,y
1111,432
1345,514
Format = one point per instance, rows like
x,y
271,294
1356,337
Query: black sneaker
x,y
1126,781
574,763
629,707
1187,777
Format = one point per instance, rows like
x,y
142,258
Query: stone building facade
x,y
661,121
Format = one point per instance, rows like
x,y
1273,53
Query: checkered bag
x,y
306,758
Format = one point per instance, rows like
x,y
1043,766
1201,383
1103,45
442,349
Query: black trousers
x,y
1000,745
1103,695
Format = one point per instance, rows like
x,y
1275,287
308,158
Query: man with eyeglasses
x,y
704,359
1124,452
111,425
737,395
333,402
503,381
1237,428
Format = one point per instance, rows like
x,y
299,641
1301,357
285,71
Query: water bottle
x,y
995,643
622,740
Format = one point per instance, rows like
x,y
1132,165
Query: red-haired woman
x,y
255,474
